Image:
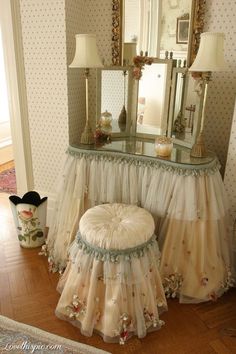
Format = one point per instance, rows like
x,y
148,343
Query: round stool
x,y
112,284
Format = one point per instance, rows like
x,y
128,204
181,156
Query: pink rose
x,y
25,214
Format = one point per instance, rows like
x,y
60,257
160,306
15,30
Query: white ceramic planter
x,y
30,222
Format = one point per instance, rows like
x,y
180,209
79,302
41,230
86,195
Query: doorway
x,y
10,26
7,170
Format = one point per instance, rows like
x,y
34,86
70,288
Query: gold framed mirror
x,y
170,29
195,10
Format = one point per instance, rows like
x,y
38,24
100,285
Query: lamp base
x,y
199,149
87,136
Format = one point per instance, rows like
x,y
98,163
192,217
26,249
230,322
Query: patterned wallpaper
x,y
98,20
221,17
44,45
75,23
56,94
230,175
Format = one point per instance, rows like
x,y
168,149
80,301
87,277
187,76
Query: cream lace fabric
x,y
112,282
189,207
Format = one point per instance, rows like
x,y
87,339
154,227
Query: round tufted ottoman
x,y
111,284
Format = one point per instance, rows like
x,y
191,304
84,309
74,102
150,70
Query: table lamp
x,y
86,56
210,57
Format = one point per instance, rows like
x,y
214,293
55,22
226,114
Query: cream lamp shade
x,y
210,56
129,52
86,52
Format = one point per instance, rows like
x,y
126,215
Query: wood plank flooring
x,y
6,166
28,294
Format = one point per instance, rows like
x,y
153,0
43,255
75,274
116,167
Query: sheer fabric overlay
x,y
117,297
190,212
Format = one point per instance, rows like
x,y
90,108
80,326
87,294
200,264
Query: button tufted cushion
x,y
116,226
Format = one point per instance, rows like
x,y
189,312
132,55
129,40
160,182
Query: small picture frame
x,y
182,29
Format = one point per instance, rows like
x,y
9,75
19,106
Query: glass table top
x,y
143,147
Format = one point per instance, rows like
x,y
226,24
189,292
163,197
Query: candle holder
x,y
163,146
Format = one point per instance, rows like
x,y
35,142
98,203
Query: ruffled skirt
x,y
115,299
190,213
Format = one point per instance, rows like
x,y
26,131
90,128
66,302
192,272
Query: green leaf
x,y
39,234
20,237
32,231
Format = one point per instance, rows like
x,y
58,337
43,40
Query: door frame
x,y
17,95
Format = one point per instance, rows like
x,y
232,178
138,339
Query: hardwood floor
x,y
6,166
28,294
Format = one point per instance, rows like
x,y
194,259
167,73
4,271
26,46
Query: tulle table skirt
x,y
188,205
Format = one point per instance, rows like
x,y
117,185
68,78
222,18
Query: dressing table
x,y
185,196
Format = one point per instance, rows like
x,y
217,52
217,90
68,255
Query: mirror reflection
x,y
113,99
165,29
186,98
151,115
158,26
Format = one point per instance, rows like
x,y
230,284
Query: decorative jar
x,y
163,146
105,122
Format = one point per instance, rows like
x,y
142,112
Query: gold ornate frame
x,y
117,10
197,29
117,26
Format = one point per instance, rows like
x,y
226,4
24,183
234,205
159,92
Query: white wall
x,y
131,20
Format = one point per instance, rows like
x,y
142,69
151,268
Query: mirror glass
x,y
158,26
186,105
153,98
113,85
